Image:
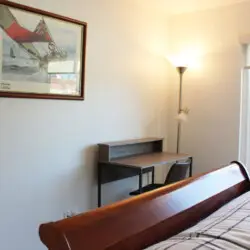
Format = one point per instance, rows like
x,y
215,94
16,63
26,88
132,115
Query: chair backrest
x,y
177,172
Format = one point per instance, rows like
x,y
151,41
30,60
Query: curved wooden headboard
x,y
141,221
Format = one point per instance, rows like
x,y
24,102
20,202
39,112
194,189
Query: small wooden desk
x,y
119,160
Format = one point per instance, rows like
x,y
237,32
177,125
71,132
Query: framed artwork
x,y
42,55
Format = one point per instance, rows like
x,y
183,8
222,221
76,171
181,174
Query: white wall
x,y
212,92
47,148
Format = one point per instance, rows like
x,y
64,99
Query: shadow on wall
x,y
89,175
76,187
119,190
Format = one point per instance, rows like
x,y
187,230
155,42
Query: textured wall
x,y
47,148
212,90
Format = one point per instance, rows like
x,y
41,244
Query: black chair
x,y
177,172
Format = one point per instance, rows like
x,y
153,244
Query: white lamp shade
x,y
182,117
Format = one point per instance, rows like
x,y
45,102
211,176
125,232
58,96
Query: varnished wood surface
x,y
132,141
139,222
148,160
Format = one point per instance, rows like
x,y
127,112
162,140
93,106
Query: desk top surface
x,y
149,160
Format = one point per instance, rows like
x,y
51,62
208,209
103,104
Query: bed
x,y
208,211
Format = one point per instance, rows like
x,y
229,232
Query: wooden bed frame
x,y
142,221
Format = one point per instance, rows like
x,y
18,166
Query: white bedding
x,y
226,229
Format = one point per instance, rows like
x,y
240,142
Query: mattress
x,y
228,228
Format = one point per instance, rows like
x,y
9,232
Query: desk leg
x,y
99,191
153,175
191,167
140,182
